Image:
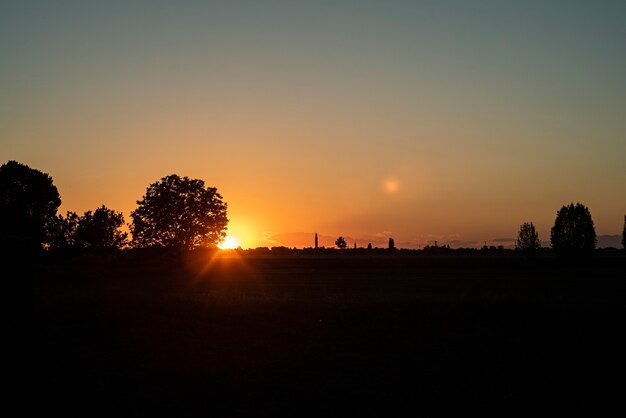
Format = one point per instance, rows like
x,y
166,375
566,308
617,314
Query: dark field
x,y
319,336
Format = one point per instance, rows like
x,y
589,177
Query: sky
x,y
453,121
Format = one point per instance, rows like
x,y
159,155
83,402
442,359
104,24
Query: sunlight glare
x,y
230,243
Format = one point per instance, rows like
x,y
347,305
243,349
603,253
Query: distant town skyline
x,y
450,120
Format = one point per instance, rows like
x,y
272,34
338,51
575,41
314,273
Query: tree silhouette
x,y
527,239
28,204
179,212
98,229
62,231
341,243
573,232
624,234
101,229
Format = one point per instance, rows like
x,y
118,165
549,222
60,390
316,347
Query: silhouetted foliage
x,y
369,246
28,204
282,250
261,251
624,234
573,232
341,243
62,231
436,249
528,239
98,229
101,229
179,212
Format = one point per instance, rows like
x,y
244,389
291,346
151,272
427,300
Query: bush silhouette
x,y
98,229
28,205
341,243
573,233
101,229
179,212
528,239
62,231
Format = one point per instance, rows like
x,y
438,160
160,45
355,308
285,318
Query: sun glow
x,y
391,185
230,243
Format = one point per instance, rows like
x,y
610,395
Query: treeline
x,y
175,212
573,233
444,250
182,213
100,229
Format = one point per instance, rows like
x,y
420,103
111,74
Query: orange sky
x,y
441,121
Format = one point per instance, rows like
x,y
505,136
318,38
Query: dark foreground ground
x,y
319,336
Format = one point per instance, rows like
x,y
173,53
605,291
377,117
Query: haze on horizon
x,y
430,120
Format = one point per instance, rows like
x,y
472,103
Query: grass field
x,y
319,336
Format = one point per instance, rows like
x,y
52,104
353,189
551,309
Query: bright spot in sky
x,y
229,243
391,185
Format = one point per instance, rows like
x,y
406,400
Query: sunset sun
x,y
230,243
364,207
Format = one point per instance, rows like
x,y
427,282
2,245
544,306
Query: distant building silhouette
x,y
392,244
316,242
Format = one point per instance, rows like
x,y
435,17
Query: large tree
x,y
28,204
528,239
179,212
573,232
